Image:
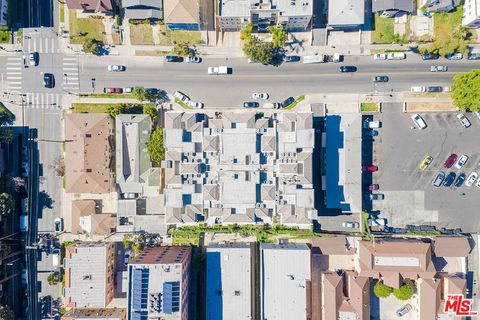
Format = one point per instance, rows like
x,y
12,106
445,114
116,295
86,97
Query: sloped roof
x,y
429,292
346,12
333,245
332,286
402,5
90,5
181,11
452,247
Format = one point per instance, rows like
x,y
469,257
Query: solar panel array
x,y
140,294
171,297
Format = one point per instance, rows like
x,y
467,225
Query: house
x,y
96,314
93,6
182,14
88,153
230,281
471,14
158,284
346,14
87,218
89,274
389,8
440,5
290,15
143,9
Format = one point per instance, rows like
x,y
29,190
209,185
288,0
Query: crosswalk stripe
x,y
34,46
29,46
53,45
46,45
11,72
14,68
13,78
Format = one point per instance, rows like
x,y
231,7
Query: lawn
x,y
294,103
384,31
62,12
141,34
182,104
169,37
108,95
91,107
84,28
445,22
369,107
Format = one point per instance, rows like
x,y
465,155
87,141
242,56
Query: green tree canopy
x,y
246,32
6,204
405,292
381,291
140,93
258,50
91,45
6,313
466,90
181,49
6,135
115,109
279,36
53,278
155,147
151,110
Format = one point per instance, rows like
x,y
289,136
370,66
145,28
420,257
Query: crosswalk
x,y
70,74
48,101
41,45
14,72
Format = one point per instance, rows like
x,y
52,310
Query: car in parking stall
x,y
418,121
450,161
287,102
380,56
375,196
463,120
462,160
373,186
194,104
460,180
472,178
434,89
250,104
370,168
350,225
449,179
113,90
437,182
454,56
473,56
291,59
181,96
404,310
430,56
371,133
438,69
425,162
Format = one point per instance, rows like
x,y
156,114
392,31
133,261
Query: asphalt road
x,y
290,79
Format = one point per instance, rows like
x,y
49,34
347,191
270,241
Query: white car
x,y
350,225
182,97
477,184
115,68
58,224
193,104
461,161
380,56
418,89
193,59
128,90
463,120
419,122
262,95
471,179
56,258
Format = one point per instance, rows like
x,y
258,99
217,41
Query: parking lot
x,y
410,197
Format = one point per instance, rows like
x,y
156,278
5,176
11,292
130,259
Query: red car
x,y
373,187
369,168
113,90
450,161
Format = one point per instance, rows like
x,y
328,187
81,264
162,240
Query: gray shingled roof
x,y
346,12
382,5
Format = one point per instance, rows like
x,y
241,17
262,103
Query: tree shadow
x,y
44,200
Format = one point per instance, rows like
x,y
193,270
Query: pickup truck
x,y
218,70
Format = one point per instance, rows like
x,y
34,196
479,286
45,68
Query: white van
x,y
24,223
56,258
396,56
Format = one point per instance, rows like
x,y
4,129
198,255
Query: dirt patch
x,y
141,34
151,53
429,106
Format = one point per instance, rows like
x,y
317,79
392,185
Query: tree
x,y
181,49
258,50
140,93
6,135
53,278
7,204
91,45
246,32
5,250
151,110
466,90
405,292
279,36
6,313
155,147
381,291
115,109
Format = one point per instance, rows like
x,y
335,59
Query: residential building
x,y
346,14
390,8
3,12
95,314
88,153
158,284
440,5
291,15
87,218
89,274
239,168
91,6
230,282
471,14
284,281
143,9
182,14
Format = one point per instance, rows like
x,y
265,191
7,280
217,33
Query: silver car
x,y
404,310
463,120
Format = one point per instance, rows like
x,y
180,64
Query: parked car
x,y
450,161
462,160
271,105
449,179
404,310
262,95
454,56
193,59
396,56
173,59
56,258
373,186
58,224
48,80
372,133
33,58
425,162
418,89
473,56
460,180
194,104
380,56
350,225
418,121
116,68
113,90
430,56
377,222
370,168
478,183
250,104
438,68
181,96
128,90
375,196
348,69
152,91
126,257
287,102
291,58
437,182
371,124
433,89
463,120
472,178
380,79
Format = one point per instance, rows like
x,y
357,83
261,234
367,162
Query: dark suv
x,y
287,102
430,56
48,80
348,69
173,59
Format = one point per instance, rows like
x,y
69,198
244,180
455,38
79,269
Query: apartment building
x,y
471,14
96,314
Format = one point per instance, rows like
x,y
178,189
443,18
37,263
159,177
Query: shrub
x,y
151,110
405,292
155,147
381,291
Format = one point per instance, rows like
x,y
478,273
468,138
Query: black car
x,y
291,58
152,91
48,80
287,102
434,89
460,180
380,79
371,133
250,105
473,56
173,59
430,56
449,179
348,69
